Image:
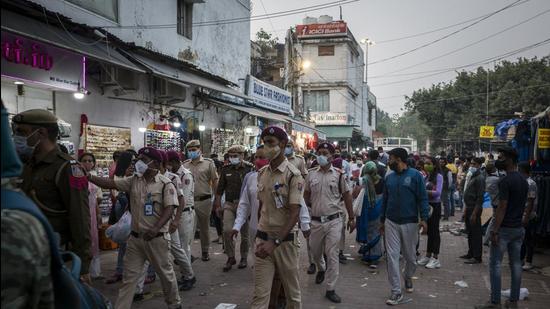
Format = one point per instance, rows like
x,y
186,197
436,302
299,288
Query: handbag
x,y
358,203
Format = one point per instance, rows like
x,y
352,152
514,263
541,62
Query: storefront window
x,y
317,100
105,8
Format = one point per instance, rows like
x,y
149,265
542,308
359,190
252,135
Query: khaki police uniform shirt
x,y
188,186
276,194
204,172
231,180
326,189
138,189
58,186
176,181
299,163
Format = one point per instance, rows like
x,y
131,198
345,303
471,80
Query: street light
x,y
306,64
367,42
202,128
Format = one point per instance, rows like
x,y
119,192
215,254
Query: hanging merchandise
x,y
222,139
162,124
165,140
102,141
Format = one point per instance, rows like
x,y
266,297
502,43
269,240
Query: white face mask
x,y
272,152
141,167
235,161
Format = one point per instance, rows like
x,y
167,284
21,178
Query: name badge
x,y
148,207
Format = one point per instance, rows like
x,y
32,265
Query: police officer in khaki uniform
x,y
153,198
280,187
296,160
231,180
324,187
206,180
54,181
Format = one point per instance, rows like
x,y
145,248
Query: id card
x,y
278,200
148,210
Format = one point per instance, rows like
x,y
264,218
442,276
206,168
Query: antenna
x,y
341,13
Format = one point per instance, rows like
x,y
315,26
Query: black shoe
x,y
205,257
333,297
466,257
243,263
312,269
320,277
187,285
193,258
473,261
409,285
138,297
229,264
342,258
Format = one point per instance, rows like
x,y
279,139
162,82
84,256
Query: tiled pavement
x,y
359,286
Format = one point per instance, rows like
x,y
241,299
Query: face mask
x,y
500,164
429,168
141,167
289,151
261,163
21,145
234,161
472,169
393,166
193,154
322,160
271,152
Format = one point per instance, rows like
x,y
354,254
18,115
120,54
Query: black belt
x,y
263,236
203,197
324,219
188,208
136,234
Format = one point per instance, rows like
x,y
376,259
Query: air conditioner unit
x,y
168,90
109,75
122,78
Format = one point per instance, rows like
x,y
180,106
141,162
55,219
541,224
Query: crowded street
x,y
226,154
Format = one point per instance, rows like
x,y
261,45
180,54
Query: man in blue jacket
x,y
405,201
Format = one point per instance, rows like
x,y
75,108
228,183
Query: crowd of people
x,y
268,197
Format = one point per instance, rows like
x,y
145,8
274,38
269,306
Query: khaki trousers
x,y
203,210
229,215
284,262
157,252
186,230
326,237
342,245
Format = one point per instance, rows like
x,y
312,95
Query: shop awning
x,y
171,72
306,128
36,30
253,111
337,132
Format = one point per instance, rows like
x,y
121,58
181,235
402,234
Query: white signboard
x,y
36,62
268,96
326,118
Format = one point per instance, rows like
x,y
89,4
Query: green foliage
x,y
457,109
266,41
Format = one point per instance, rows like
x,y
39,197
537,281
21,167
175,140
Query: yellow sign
x,y
544,138
487,132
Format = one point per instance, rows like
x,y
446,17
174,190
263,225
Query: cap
x,y
279,133
328,146
236,149
163,154
337,162
400,153
193,143
35,116
173,155
151,153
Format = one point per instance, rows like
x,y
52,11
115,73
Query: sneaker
x,y
488,305
342,258
395,299
423,261
527,266
434,263
409,285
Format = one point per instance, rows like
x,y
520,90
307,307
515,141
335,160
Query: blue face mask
x,y
472,170
289,151
322,160
193,154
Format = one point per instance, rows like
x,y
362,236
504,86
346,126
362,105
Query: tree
x,y
266,42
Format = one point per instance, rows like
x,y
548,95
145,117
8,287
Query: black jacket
x,y
473,194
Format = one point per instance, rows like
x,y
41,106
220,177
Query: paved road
x,y
359,286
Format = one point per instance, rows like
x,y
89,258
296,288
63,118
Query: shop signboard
x,y
338,28
268,96
544,138
36,62
327,118
486,132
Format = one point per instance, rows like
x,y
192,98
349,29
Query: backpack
x,y
69,291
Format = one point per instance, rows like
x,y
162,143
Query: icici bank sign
x,y
337,28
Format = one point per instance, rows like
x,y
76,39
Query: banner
x,y
544,138
487,132
330,29
326,118
268,96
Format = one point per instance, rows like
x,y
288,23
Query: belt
x,y
324,219
263,236
188,208
136,234
203,197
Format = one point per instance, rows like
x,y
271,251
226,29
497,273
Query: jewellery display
x,y
164,140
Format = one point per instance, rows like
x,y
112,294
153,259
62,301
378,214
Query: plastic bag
x,y
358,203
120,232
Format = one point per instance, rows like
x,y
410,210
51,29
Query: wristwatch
x,y
277,241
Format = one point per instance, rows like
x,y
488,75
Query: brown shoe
x,y
229,264
243,263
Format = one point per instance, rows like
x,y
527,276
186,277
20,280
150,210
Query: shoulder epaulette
x,y
164,179
311,169
293,169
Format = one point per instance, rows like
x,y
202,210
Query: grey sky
x,y
388,19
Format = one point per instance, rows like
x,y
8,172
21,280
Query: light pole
x,y
366,42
